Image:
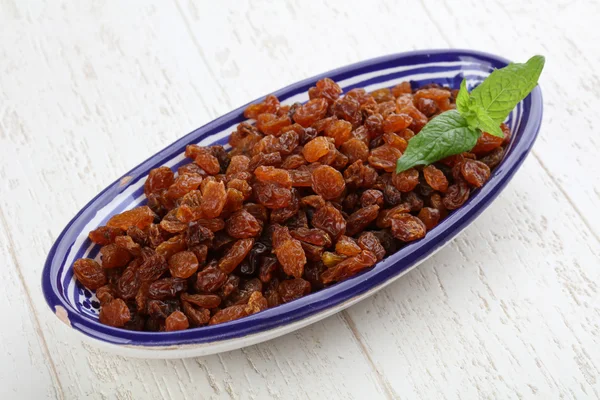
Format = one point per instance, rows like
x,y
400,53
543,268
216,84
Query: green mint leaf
x,y
462,99
506,87
445,135
486,123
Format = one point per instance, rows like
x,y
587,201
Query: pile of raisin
x,y
307,196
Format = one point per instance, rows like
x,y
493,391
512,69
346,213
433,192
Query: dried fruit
x,y
176,321
429,216
158,179
406,227
293,289
234,256
140,217
406,181
435,178
183,264
114,256
349,267
116,313
286,212
89,273
105,235
328,182
475,172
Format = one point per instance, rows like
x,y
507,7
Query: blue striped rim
x,y
56,292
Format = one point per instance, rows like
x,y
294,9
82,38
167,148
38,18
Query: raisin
x,y
355,149
214,198
202,300
166,288
210,280
114,256
429,216
419,120
374,125
256,303
384,157
262,159
269,105
325,88
274,175
129,282
293,289
348,108
316,148
384,220
493,158
406,227
435,178
371,197
288,142
328,182
158,178
234,256
395,141
317,237
105,235
196,234
311,112
360,219
176,321
270,124
229,314
475,172
330,220
243,225
152,268
301,178
197,316
340,131
293,161
382,95
239,163
116,313
486,143
401,88
457,195
234,200
258,211
347,246
183,264
290,255
349,267
140,217
268,266
89,273
358,175
396,122
272,195
369,241
391,195
171,246
427,106
183,185
105,294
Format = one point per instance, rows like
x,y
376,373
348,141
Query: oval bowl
x,y
78,307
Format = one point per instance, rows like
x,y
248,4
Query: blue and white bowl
x,y
78,307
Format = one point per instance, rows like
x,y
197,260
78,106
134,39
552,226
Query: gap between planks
x,y
36,322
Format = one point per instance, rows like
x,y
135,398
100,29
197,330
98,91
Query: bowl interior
x,y
446,67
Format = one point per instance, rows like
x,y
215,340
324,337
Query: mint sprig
x,y
483,110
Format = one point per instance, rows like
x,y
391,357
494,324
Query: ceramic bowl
x,y
78,307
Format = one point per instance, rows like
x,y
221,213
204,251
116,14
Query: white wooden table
x,y
510,309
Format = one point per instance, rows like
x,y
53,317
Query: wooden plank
x,y
24,356
128,83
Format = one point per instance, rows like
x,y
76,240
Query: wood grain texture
x,y
509,310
